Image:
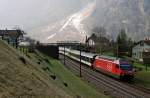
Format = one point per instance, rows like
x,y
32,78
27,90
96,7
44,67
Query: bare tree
x,y
100,33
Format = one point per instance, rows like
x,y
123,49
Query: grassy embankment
x,y
142,77
65,79
20,77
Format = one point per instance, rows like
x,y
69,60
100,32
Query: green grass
x,y
76,86
141,66
108,54
142,78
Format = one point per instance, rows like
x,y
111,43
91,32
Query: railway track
x,y
109,85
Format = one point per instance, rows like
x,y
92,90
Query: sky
x,y
30,15
35,16
52,20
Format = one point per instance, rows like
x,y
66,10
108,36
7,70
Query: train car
x,y
115,67
85,57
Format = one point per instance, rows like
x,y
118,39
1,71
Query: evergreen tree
x,y
122,43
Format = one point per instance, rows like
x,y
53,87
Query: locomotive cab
x,y
127,71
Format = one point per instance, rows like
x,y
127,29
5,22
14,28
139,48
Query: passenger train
x,y
113,66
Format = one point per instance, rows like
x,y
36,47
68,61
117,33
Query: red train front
x,y
112,66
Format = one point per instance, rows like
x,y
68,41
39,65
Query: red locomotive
x,y
115,67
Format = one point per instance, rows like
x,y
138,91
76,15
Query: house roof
x,y
97,39
147,42
142,41
11,33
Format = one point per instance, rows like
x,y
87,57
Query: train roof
x,y
90,55
114,59
109,57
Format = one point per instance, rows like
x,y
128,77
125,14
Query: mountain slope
x,y
22,78
131,15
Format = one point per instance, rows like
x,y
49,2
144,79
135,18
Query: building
x,y
93,40
140,48
90,42
98,44
11,35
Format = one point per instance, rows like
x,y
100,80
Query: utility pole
x,y
22,48
146,67
64,56
117,49
27,50
146,60
100,43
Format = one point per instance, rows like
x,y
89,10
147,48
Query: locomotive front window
x,y
126,67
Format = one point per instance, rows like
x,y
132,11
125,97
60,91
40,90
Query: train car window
x,y
85,58
75,55
126,67
82,57
89,60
